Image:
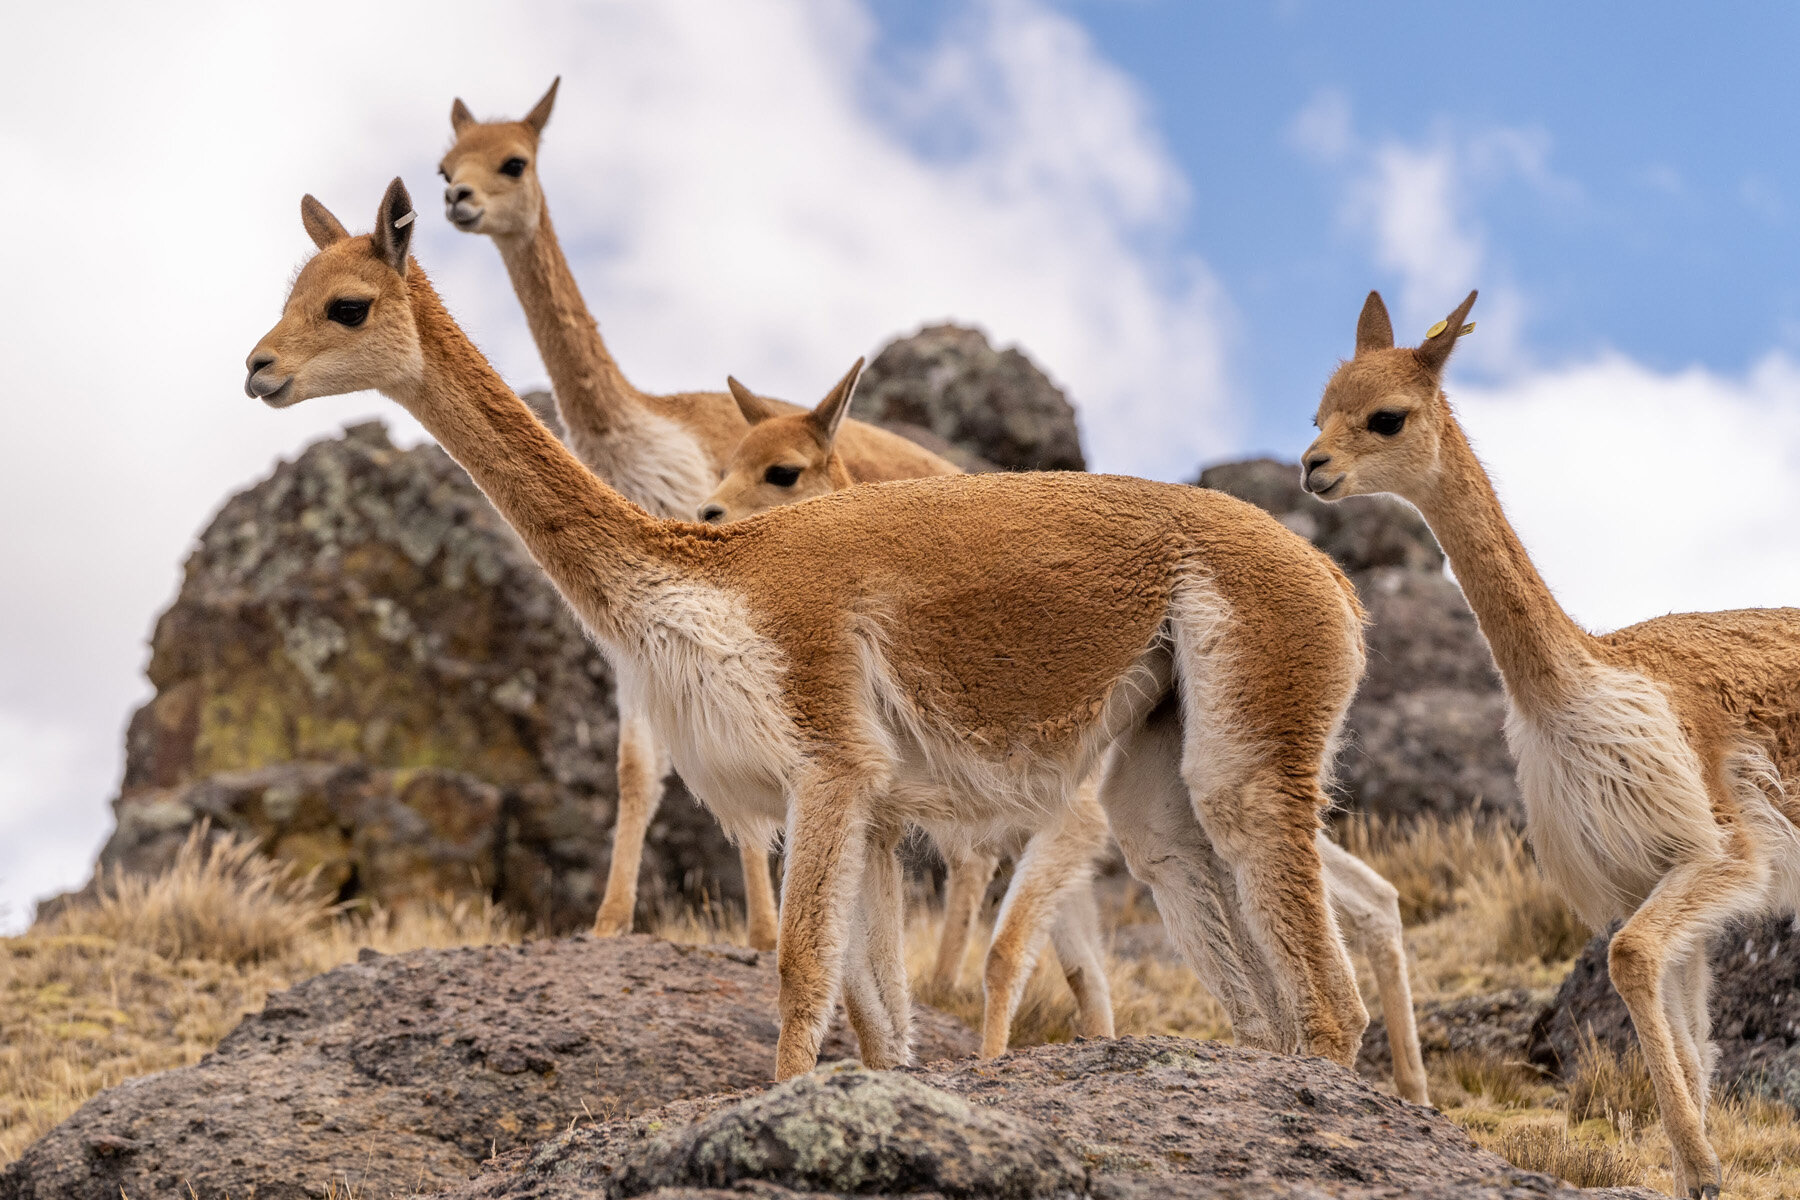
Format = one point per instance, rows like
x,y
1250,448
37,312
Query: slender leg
x,y
641,771
875,986
1076,936
1057,861
1693,901
827,830
965,885
759,895
1368,910
1690,1014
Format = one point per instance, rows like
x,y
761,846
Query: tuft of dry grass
x,y
1546,1145
158,971
1610,1087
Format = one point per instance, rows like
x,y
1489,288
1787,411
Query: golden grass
x,y
158,971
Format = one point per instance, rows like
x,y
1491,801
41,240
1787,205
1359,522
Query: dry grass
x,y
1545,1144
158,971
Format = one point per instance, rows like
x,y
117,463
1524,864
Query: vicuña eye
x,y
445,174
348,312
1387,424
781,476
513,166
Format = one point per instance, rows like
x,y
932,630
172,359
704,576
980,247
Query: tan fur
x,y
665,453
1660,764
844,665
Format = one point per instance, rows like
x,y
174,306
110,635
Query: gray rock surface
x,y
1755,1006
995,406
409,1071
1424,735
1134,1117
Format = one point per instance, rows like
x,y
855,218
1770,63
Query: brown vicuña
x,y
790,456
1660,764
844,666
665,453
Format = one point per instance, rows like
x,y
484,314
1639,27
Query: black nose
x,y
456,193
712,514
261,361
1316,461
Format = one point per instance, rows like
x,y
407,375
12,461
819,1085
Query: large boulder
x,y
1755,1009
1425,733
365,672
1136,1117
994,406
405,1072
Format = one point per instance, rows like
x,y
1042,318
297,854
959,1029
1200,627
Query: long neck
x,y
1540,650
592,394
596,546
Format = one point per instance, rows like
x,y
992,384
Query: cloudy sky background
x,y
1175,209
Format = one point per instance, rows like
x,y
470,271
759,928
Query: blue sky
x,y
1175,208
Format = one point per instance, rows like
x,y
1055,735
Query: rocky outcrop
x,y
1424,735
1136,1117
409,1071
1755,1007
993,406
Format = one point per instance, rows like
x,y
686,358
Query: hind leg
x,y
967,876
642,766
1690,1017
1076,936
1057,861
761,917
1165,847
875,987
1368,910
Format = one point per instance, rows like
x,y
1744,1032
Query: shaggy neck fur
x,y
594,544
1542,654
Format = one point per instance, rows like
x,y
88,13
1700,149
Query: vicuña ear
x,y
394,222
460,116
756,410
1440,340
539,116
830,414
1373,329
323,228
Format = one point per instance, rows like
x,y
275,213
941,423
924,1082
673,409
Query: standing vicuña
x,y
664,453
1660,764
845,665
792,456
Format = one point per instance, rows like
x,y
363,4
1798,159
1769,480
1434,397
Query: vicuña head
x,y
348,323
786,456
1383,417
490,173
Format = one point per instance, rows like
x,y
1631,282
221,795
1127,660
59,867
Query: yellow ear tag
x,y
1443,325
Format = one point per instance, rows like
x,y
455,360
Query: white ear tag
x,y
408,219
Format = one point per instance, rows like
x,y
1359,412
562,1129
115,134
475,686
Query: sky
x,y
1175,209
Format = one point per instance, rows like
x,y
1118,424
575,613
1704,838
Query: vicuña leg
x,y
875,986
1368,910
1691,903
967,875
1689,984
827,832
1082,952
1057,861
642,767
762,921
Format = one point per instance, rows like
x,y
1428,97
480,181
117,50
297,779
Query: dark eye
x,y
1387,424
513,166
445,174
348,312
781,476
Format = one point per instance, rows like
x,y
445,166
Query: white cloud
x,y
744,187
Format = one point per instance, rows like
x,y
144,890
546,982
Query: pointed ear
x,y
460,116
539,116
1434,351
394,222
756,410
323,228
1373,329
830,414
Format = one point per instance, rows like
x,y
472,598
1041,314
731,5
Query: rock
x,y
995,405
408,1071
364,671
1424,735
1154,1116
1755,1007
1496,1025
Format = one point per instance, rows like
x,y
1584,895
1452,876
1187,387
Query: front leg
x,y
642,767
759,895
875,985
827,832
